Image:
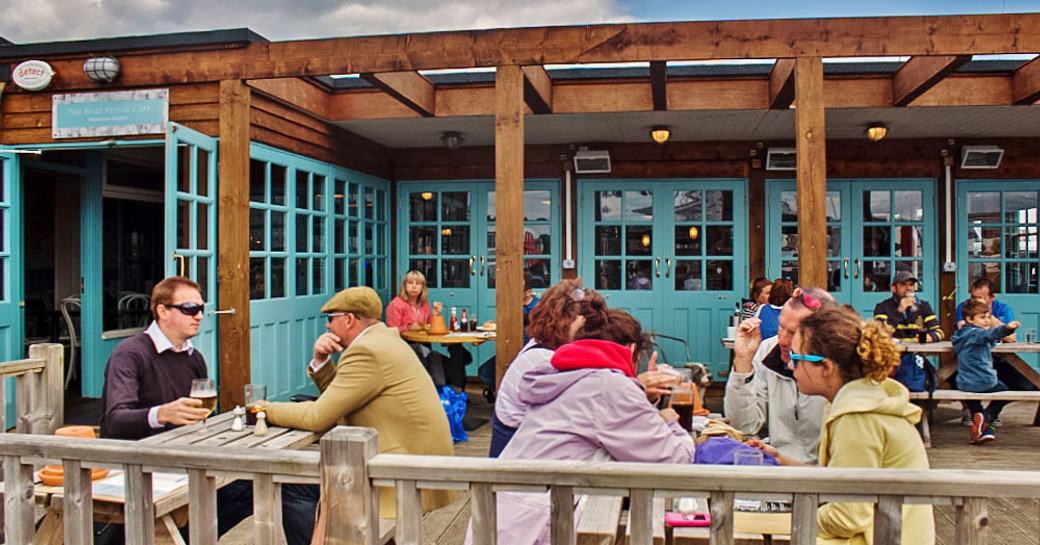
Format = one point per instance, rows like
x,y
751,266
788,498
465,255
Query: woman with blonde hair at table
x,y
871,421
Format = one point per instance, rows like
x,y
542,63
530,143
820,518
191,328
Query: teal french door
x,y
12,342
670,252
997,238
447,231
874,228
191,224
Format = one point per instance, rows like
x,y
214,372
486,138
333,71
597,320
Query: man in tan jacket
x,y
378,382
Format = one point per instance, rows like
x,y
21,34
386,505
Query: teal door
x,y
874,228
997,238
191,224
12,343
447,231
672,253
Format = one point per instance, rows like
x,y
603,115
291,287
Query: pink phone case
x,y
687,519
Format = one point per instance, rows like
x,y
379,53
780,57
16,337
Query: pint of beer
x,y
682,403
254,393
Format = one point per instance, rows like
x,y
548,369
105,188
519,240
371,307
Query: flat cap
x,y
359,300
903,276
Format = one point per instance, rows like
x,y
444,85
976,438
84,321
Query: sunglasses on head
x,y
807,301
811,358
187,309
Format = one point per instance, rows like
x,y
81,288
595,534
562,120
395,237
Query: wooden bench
x,y
957,395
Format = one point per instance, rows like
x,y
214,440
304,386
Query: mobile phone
x,y
674,519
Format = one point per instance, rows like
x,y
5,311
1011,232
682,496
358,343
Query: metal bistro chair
x,y
701,375
70,305
133,310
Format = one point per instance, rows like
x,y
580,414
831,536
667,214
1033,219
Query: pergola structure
x,y
247,88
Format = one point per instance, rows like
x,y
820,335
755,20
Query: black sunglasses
x,y
187,309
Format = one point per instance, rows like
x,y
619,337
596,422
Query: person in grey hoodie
x,y
586,404
761,391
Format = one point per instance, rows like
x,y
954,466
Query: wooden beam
x,y
629,42
659,85
509,194
781,84
1025,83
409,88
919,74
812,172
233,242
538,90
297,93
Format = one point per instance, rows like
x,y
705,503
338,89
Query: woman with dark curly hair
x,y
835,354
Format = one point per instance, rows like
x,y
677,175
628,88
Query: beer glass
x,y
204,390
254,393
745,457
682,403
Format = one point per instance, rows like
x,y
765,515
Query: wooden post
x,y
139,509
509,197
812,172
23,390
484,512
233,242
53,402
756,188
409,514
561,531
267,508
888,520
972,521
202,508
721,507
803,519
78,504
18,501
641,516
348,499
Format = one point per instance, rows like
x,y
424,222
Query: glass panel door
x,y
191,224
11,268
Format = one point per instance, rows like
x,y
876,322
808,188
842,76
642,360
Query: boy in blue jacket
x,y
975,373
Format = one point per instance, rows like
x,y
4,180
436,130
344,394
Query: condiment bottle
x,y
261,424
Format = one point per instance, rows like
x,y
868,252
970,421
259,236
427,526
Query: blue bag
x,y
455,408
916,373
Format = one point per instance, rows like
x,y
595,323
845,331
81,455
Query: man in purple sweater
x,y
148,377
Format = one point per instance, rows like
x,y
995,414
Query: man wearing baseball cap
x,y
378,382
913,321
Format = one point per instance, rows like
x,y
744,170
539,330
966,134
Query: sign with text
x,y
84,115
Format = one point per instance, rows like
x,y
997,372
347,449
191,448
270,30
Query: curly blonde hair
x,y
859,348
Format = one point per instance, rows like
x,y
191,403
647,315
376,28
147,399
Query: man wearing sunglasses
x,y
148,376
761,393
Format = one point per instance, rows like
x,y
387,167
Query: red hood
x,y
593,354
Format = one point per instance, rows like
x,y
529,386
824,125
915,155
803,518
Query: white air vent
x,y
592,161
981,157
781,159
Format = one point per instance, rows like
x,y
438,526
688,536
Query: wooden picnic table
x,y
748,528
474,337
171,490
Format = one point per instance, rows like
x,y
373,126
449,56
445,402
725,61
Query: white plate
x,y
491,329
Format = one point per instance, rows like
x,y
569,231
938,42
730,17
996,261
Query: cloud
x,y
28,21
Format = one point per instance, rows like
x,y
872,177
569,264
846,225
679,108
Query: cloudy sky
x,y
27,21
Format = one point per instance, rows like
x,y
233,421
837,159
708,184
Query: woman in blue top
x,y
769,314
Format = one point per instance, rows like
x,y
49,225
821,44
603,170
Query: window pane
x,y
184,154
455,240
301,233
536,239
688,240
340,237
380,205
608,275
639,240
984,241
687,205
256,229
789,241
639,274
877,206
834,276
370,203
202,276
132,238
318,228
1020,207
789,271
639,206
302,273
833,206
540,271
352,201
302,190
257,181
455,273
876,241
429,269
984,207
257,278
1021,278
183,224
719,275
277,232
913,267
277,277
369,243
877,276
3,222
490,237
353,277
340,196
608,240
455,206
989,270
537,205
491,272
318,190
688,276
720,240
908,206
608,205
339,282
421,240
422,206
788,206
1021,242
492,206
368,272
910,241
834,241
352,237
278,185
202,226
718,205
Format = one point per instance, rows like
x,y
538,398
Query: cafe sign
x,y
84,115
33,75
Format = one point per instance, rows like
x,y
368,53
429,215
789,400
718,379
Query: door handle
x,y
667,267
483,265
856,262
228,311
657,267
845,263
472,271
181,267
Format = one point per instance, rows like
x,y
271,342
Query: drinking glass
x,y
682,403
254,393
745,457
1030,336
204,390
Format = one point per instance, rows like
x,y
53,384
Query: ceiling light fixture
x,y
427,195
452,139
694,232
660,134
876,132
646,240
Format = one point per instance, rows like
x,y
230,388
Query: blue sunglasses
x,y
811,358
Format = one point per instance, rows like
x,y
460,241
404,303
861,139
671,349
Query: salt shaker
x,y
261,424
239,424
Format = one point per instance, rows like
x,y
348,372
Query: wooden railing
x,y
39,390
350,470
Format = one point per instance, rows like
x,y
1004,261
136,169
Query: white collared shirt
x,y
162,343
317,365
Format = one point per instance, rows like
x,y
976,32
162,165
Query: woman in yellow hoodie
x,y
870,422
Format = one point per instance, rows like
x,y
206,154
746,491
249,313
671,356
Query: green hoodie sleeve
x,y
856,440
